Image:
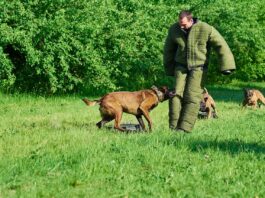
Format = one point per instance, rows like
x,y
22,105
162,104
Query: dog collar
x,y
159,94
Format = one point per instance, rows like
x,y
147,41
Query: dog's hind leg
x,y
141,122
104,120
118,116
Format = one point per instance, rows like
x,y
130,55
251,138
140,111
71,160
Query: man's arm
x,y
226,58
170,49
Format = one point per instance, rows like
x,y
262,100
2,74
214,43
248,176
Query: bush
x,y
61,46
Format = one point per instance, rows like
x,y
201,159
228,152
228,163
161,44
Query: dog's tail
x,y
91,103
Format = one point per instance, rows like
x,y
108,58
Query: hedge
x,y
64,46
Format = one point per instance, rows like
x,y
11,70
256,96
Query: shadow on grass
x,y
229,146
128,129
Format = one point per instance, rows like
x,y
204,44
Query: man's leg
x,y
175,102
191,98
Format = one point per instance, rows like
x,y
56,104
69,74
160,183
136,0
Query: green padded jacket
x,y
193,50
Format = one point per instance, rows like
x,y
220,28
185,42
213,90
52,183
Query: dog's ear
x,y
246,90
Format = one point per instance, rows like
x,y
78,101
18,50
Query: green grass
x,y
50,147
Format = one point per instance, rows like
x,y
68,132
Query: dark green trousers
x,y
184,107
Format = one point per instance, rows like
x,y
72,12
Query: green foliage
x,y
242,24
53,46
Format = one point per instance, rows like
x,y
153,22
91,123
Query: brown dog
x,y
252,97
138,103
207,105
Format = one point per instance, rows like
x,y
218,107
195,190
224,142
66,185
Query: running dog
x,y
253,98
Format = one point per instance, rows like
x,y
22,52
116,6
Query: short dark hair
x,y
185,13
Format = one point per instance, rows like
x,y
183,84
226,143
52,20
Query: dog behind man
x,y
207,106
253,98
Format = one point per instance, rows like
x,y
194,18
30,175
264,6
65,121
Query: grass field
x,y
50,147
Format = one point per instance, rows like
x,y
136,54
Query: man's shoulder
x,y
203,24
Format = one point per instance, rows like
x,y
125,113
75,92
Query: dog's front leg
x,y
209,113
141,122
244,103
214,111
147,117
254,105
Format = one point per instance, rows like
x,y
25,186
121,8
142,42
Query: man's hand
x,y
227,72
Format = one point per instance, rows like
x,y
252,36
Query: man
x,y
186,56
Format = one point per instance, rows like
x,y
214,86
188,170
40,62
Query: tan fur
x,y
207,104
252,97
138,103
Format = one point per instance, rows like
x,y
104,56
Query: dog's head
x,y
206,100
203,102
205,97
248,93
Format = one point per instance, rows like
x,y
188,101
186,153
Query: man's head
x,y
185,19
